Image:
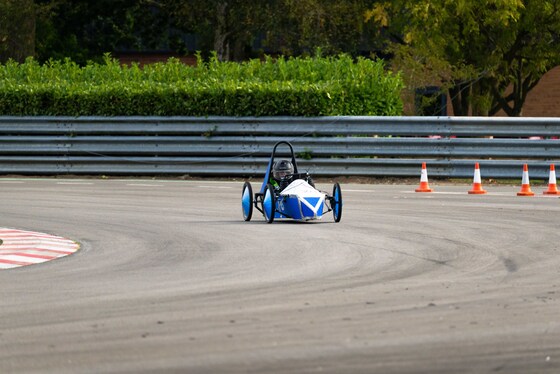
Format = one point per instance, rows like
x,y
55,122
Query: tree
x,y
289,27
227,27
488,54
334,26
17,30
532,49
84,30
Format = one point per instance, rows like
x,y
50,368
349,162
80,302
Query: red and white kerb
x,y
21,248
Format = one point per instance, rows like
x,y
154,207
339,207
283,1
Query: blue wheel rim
x,y
246,202
337,202
337,208
267,204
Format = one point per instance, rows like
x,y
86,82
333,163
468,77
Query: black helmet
x,y
282,168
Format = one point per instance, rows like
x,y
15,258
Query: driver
x,y
281,171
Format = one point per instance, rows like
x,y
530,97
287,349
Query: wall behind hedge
x,y
296,86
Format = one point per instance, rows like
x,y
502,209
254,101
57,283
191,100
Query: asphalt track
x,y
170,279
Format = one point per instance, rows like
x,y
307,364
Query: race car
x,y
286,193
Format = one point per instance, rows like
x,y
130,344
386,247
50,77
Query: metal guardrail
x,y
232,146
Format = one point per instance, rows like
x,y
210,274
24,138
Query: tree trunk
x,y
481,101
460,94
221,42
521,88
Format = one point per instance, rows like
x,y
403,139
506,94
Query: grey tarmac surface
x,y
170,279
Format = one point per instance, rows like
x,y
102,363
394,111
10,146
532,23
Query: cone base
x,y
424,190
552,190
423,187
477,192
527,193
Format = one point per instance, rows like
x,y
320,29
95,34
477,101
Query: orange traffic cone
x,y
477,182
424,187
525,187
552,189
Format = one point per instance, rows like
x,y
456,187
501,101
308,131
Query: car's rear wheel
x,y
247,201
269,204
337,202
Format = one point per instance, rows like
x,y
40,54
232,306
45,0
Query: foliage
x,y
477,49
294,86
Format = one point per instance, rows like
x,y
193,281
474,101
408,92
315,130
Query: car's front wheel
x,y
269,203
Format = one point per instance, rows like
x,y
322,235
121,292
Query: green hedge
x,y
296,86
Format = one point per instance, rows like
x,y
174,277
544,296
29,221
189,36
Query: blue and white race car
x,y
286,193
